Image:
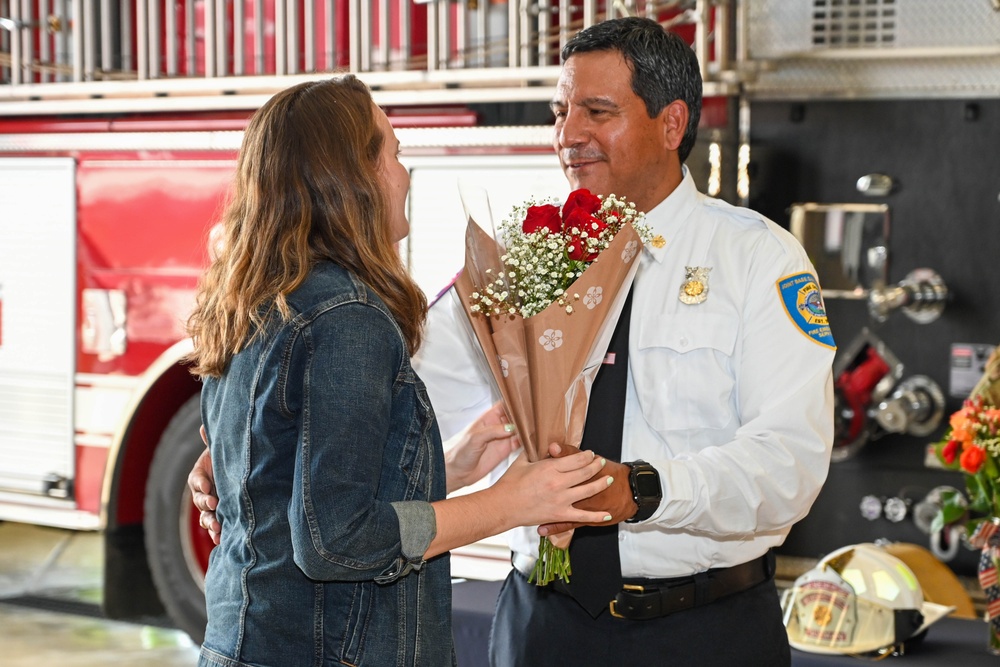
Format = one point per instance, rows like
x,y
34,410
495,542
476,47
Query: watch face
x,y
647,483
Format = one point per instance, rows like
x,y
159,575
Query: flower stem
x,y
552,562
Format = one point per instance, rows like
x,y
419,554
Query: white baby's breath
x,y
538,265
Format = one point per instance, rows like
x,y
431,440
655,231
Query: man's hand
x,y
201,482
616,499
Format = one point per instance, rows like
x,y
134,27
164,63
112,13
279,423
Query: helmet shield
x,y
827,618
856,600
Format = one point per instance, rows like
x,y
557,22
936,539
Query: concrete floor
x,y
50,592
50,588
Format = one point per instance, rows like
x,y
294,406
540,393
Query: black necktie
x,y
597,574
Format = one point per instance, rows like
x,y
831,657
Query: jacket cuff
x,y
417,527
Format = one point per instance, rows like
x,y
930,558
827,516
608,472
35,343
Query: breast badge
x,y
695,287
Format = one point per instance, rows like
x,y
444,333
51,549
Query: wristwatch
x,y
646,492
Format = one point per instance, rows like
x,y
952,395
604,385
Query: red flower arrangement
x,y
547,248
579,220
972,445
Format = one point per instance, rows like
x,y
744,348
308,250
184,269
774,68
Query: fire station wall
x,y
944,156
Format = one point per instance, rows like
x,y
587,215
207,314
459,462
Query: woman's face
x,y
396,178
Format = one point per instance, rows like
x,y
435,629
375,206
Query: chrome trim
x,y
92,440
106,381
118,141
899,53
171,33
410,138
531,36
436,93
141,47
220,38
43,511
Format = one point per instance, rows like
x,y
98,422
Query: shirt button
x,y
621,536
684,341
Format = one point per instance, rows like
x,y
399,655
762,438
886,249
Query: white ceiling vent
x,y
853,24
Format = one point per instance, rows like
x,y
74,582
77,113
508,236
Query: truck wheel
x,y
176,545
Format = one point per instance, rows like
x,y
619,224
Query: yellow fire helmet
x,y
857,600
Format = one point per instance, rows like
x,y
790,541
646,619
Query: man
x,y
728,396
727,422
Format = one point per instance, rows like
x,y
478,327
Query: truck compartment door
x,y
37,324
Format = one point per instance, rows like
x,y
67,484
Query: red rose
x,y
950,451
583,200
584,223
545,216
972,459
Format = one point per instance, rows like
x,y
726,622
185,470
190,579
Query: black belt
x,y
643,599
659,597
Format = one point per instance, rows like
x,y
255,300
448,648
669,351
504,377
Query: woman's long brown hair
x,y
308,188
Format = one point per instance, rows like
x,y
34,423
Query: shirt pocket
x,y
684,370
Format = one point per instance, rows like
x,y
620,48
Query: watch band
x,y
644,481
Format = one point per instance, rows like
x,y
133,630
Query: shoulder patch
x,y
803,304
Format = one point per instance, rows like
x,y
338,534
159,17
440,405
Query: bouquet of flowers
x,y
972,445
543,307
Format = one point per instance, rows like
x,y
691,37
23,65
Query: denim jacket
x,y
326,456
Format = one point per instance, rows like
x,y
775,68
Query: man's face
x,y
605,140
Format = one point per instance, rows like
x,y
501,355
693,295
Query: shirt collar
x,y
667,218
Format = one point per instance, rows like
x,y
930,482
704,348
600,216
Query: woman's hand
x,y
616,499
528,494
546,491
480,448
201,482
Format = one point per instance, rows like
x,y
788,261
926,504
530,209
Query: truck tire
x,y
176,545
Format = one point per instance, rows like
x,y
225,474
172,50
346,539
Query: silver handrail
x,y
87,49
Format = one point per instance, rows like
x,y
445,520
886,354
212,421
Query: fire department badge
x,y
804,306
823,613
695,287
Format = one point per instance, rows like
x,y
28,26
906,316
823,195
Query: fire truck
x,y
867,127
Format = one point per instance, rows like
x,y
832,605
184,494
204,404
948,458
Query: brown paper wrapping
x,y
544,365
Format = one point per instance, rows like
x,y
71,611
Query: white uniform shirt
x,y
729,399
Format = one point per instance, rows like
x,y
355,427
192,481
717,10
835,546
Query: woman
x,y
329,467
